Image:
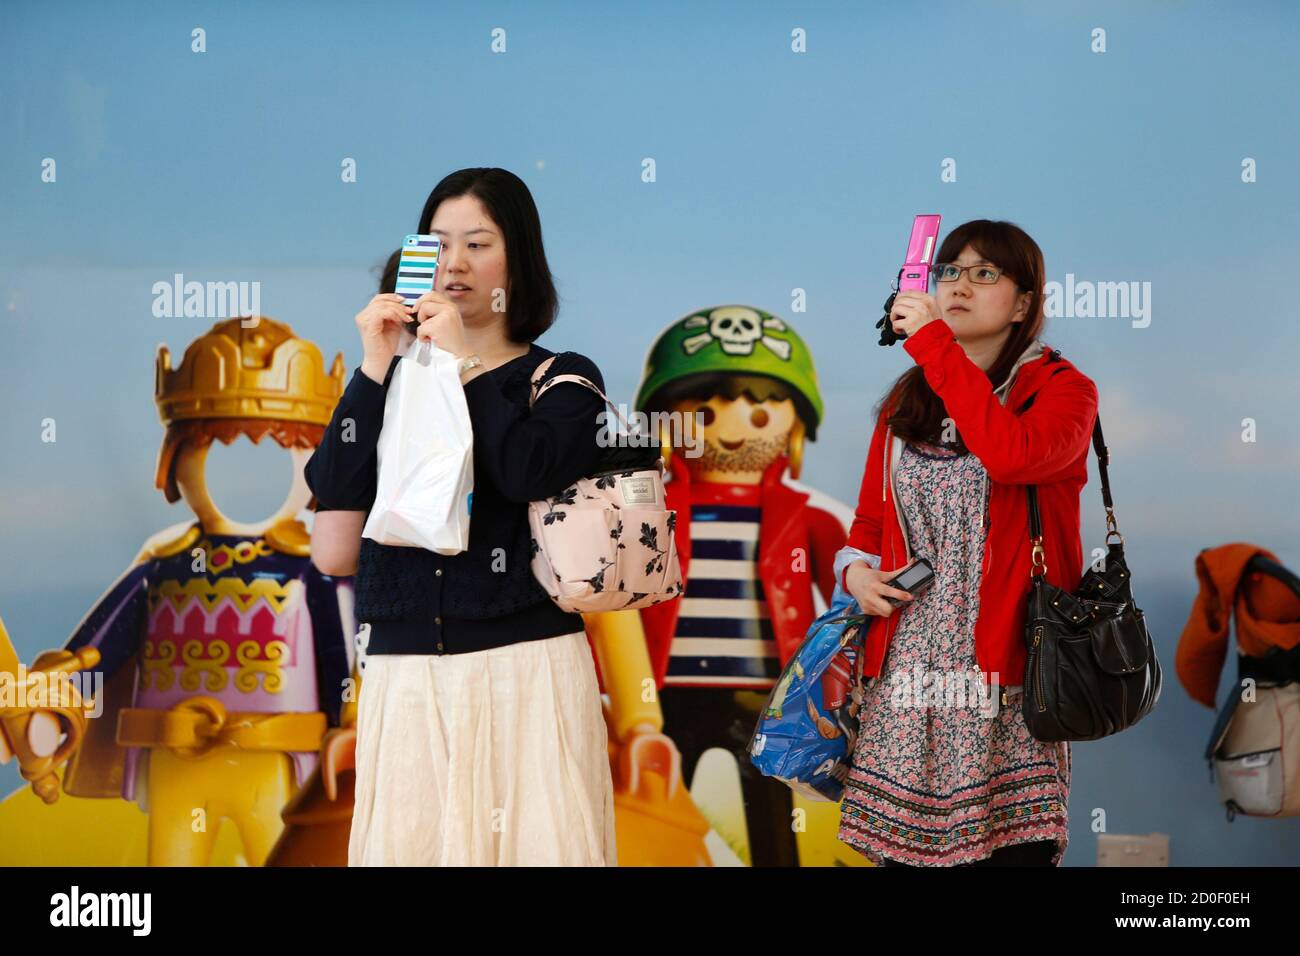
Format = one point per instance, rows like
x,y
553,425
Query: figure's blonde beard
x,y
754,455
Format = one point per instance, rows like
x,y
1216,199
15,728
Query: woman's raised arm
x,y
1025,449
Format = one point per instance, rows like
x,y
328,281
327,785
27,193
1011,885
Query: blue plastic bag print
x,y
806,733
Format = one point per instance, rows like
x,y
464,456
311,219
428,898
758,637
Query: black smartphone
x,y
914,579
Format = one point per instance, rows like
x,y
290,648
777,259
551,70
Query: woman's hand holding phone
x,y
867,586
441,323
381,323
912,310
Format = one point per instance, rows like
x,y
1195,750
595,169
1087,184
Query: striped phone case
x,y
417,267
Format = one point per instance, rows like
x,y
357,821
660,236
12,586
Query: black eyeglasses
x,y
981,273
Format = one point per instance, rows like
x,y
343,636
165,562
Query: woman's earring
x,y
665,444
794,448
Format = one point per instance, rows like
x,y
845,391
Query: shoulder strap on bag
x,y
540,373
1103,459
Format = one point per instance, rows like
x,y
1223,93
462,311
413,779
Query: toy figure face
x,y
191,461
473,255
740,437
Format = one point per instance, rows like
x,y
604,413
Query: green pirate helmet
x,y
730,341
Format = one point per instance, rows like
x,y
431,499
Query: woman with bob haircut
x,y
480,738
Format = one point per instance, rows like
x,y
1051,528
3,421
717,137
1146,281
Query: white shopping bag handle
x,y
419,354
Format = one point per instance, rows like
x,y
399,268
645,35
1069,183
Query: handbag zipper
x,y
630,470
1038,666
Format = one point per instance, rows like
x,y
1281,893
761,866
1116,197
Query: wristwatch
x,y
467,363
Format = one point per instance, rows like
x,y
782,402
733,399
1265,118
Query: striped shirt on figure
x,y
724,634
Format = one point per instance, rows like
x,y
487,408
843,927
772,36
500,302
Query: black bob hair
x,y
531,299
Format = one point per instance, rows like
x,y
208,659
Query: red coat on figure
x,y
788,523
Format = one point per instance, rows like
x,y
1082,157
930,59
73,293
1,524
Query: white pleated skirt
x,y
494,758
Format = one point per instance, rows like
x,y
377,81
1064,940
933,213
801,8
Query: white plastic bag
x,y
426,456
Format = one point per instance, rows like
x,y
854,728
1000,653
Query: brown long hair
x,y
918,413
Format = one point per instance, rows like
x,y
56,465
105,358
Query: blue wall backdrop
x,y
775,171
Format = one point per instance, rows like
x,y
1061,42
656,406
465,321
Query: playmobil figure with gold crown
x,y
226,657
754,548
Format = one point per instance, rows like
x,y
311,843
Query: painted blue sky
x,y
775,171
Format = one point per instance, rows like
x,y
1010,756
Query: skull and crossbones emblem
x,y
737,330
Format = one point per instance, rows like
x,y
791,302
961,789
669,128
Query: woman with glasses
x,y
944,770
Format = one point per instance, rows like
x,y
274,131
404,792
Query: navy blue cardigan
x,y
419,602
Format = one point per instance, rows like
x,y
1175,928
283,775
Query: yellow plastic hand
x,y
45,735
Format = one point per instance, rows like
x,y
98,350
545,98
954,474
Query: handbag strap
x,y
1103,460
535,392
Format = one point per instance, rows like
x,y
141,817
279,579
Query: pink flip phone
x,y
915,274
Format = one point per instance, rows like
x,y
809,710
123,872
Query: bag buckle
x,y
1040,566
1112,527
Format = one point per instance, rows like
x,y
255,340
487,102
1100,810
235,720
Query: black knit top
x,y
419,602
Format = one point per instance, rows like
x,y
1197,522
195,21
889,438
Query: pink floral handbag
x,y
606,542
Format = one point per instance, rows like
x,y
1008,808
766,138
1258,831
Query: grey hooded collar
x,y
1032,351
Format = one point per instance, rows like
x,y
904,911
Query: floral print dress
x,y
943,773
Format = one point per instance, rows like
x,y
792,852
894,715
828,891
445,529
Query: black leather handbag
x,y
1092,670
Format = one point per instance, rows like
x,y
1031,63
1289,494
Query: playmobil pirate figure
x,y
751,547
225,654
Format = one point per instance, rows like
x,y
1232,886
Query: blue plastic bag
x,y
807,731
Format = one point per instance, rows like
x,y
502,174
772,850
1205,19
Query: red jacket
x,y
1047,445
788,522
